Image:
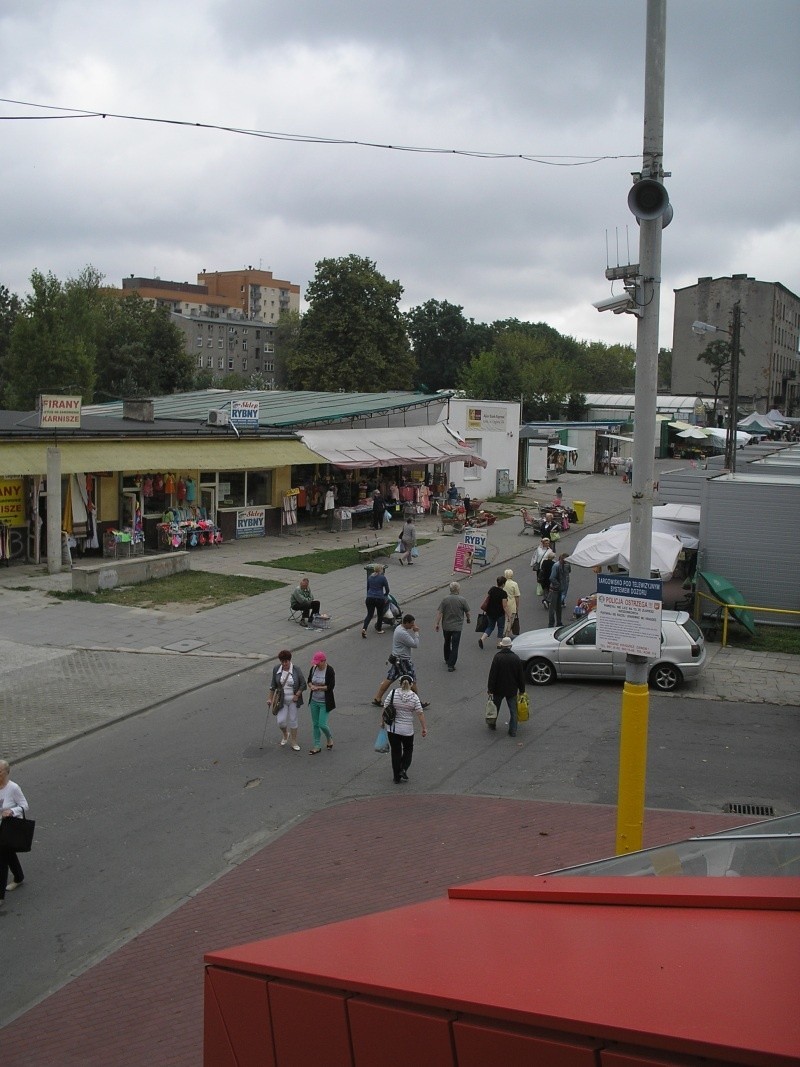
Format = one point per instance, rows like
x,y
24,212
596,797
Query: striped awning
x,y
402,446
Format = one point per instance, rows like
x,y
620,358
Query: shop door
x,y
208,501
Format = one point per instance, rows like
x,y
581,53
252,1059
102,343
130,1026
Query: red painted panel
x,y
642,1058
772,894
310,1027
392,1035
217,1050
244,1009
478,1045
698,981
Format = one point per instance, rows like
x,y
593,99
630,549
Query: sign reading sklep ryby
x,y
60,412
250,522
244,413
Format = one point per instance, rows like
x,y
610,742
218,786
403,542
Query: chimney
x,y
138,410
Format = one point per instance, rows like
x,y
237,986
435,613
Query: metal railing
x,y
728,608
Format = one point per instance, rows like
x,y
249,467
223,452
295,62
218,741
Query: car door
x,y
579,656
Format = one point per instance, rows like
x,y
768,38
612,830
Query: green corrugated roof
x,y
278,408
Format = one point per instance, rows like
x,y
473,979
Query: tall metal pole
x,y
636,695
733,389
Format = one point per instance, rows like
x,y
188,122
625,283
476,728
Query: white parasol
x,y
613,547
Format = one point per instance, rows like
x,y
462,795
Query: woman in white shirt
x,y
406,704
12,805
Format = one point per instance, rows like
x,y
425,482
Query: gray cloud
x,y
500,237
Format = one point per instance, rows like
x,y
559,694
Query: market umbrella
x,y
613,548
722,589
694,433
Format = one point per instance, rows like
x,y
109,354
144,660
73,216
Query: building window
x,y
209,362
472,472
221,363
210,342
269,365
199,342
269,348
200,360
220,343
244,363
258,334
230,363
244,346
209,327
258,352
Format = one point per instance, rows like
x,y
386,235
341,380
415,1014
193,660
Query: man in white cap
x,y
506,679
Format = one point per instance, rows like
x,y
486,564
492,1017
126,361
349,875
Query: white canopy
x,y
613,547
389,446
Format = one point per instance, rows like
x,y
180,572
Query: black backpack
x,y
389,712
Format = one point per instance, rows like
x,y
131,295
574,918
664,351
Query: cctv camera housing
x,y
614,303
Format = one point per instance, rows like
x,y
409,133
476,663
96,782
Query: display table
x,y
174,536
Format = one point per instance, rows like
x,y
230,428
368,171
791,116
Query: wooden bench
x,y
369,545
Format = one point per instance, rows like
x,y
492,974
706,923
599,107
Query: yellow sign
x,y
60,412
12,501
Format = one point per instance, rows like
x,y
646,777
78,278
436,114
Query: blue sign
x,y
624,585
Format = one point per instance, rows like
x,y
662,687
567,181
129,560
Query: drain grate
x,y
750,809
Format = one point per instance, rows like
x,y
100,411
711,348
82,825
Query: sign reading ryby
x,y
60,411
250,522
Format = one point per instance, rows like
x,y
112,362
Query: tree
x,y
717,356
140,351
442,342
602,368
10,306
665,370
520,365
353,336
52,347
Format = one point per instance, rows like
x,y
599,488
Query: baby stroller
x,y
391,612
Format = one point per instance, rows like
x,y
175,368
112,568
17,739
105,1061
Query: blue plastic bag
x,y
382,741
387,516
414,552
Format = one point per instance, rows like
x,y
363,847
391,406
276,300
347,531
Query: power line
x,y
298,138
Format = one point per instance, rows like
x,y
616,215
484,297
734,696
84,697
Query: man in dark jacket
x,y
506,679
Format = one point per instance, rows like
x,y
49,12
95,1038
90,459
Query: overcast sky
x,y
556,80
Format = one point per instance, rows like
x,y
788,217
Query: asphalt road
x,y
135,818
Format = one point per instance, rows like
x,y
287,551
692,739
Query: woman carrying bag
x,y
495,607
13,805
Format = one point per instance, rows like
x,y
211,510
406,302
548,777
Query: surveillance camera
x,y
617,304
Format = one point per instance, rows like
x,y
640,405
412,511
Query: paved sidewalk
x,y
69,667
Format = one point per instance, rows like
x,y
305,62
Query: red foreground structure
x,y
554,971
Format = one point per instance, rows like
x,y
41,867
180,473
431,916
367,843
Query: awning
x,y
30,457
615,436
562,448
406,446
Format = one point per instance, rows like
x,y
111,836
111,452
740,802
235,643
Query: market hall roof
x,y
282,409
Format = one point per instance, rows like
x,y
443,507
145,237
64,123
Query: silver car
x,y
571,651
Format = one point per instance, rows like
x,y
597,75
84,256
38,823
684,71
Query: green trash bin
x,y
579,507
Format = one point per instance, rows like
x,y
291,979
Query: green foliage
x,y
665,370
717,357
10,307
443,342
353,335
75,337
201,589
53,347
140,351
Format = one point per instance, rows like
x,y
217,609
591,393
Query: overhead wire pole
x,y
636,695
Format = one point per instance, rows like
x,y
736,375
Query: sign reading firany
x,y
60,411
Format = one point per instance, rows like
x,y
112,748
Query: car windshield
x,y
569,628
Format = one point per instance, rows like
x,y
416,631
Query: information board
x,y
462,564
629,615
477,541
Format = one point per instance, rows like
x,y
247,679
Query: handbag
x,y
485,603
389,712
480,624
381,741
491,711
523,708
539,590
276,700
515,626
17,834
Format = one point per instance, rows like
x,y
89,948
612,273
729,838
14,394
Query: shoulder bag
x,y
17,834
389,713
480,623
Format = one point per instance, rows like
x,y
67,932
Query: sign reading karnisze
x,y
251,522
12,501
245,412
629,615
59,411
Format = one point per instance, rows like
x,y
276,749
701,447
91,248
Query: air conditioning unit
x,y
218,418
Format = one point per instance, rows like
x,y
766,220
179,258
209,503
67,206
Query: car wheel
x,y
665,677
540,671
